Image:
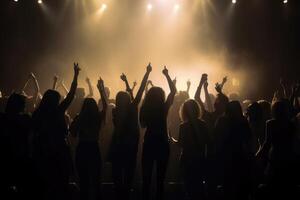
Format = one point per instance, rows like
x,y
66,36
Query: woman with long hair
x,y
51,150
86,126
124,145
193,140
153,117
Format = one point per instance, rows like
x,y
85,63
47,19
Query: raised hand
x,y
174,81
149,67
55,78
165,71
88,80
76,69
218,88
203,79
123,77
224,80
149,82
100,83
188,83
134,83
31,75
205,85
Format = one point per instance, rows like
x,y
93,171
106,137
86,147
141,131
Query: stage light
x,y
285,1
16,0
40,1
103,7
233,1
149,6
176,7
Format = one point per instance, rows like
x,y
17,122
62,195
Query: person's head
x,y
122,99
234,110
266,109
80,93
107,92
155,96
190,110
153,105
15,104
280,110
234,96
221,103
254,112
50,100
89,107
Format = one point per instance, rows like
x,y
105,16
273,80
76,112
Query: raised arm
x,y
219,87
149,82
25,84
128,89
207,98
139,94
263,151
188,86
104,101
64,86
71,94
133,86
198,91
172,87
91,92
55,80
36,94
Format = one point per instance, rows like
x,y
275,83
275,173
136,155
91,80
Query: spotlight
x,y
176,7
233,1
285,1
16,0
103,7
149,6
40,1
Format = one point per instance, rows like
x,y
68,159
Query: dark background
x,y
265,32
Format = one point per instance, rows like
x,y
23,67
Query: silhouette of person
x,y
86,126
234,144
278,149
173,125
193,140
124,145
16,147
210,116
51,150
153,117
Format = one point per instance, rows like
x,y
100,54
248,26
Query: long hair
x,y
49,103
190,111
15,104
234,110
152,109
89,114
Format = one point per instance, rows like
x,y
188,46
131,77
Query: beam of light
x,y
233,1
103,7
285,1
40,1
149,7
176,7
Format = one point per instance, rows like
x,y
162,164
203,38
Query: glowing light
x,y
285,1
16,0
176,7
40,1
103,7
149,7
233,1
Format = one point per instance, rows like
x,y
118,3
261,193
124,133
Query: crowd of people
x,y
224,148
